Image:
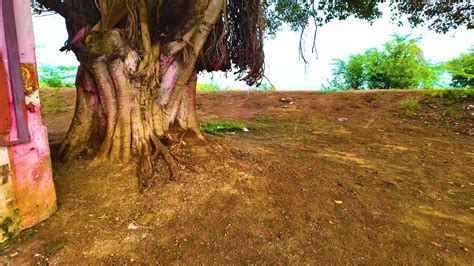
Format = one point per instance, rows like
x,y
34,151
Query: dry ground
x,y
332,178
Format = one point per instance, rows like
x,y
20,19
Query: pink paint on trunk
x,y
168,82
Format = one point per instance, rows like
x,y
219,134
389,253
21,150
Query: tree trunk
x,y
120,116
132,95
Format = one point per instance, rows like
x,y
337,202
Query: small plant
x,y
221,127
29,233
410,106
452,113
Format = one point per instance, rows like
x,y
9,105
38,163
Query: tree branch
x,y
68,11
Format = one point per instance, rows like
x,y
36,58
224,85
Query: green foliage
x,y
462,70
57,76
440,16
453,113
220,127
410,106
399,65
208,87
29,233
450,96
350,75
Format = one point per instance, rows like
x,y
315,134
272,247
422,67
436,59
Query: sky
x,y
284,68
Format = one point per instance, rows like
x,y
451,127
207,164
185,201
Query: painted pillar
x,y
27,194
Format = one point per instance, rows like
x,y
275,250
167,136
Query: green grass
x,y
453,113
410,106
221,127
449,96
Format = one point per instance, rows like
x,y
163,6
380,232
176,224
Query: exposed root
x,y
169,159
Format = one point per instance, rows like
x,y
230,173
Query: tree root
x,y
168,157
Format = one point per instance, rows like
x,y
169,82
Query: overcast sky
x,y
338,39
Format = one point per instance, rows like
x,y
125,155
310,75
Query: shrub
x,y
410,106
399,65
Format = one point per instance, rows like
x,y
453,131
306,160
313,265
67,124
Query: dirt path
x,y
331,178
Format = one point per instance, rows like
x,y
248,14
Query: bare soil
x,y
332,178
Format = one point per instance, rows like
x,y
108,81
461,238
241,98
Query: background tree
x,y
461,70
139,61
350,75
400,65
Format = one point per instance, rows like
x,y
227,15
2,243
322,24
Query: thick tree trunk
x,y
120,116
130,98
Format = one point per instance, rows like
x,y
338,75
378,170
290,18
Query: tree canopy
x,y
461,69
400,64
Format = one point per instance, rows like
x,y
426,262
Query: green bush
x,y
399,65
410,106
220,127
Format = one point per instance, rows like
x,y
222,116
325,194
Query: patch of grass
x,y
453,113
221,127
51,104
410,106
450,96
208,87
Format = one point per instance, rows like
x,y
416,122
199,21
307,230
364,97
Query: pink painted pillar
x,y
27,176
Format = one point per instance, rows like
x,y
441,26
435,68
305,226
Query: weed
x,y
452,113
220,127
29,233
410,106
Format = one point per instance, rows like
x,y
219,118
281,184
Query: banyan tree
x,y
139,61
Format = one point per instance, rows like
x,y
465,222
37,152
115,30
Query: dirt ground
x,y
332,178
